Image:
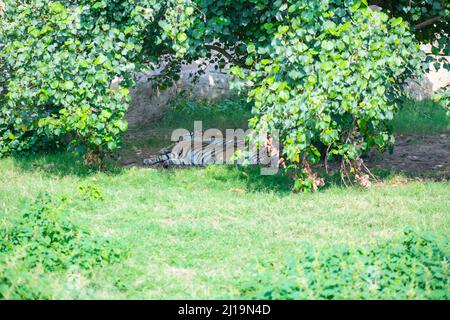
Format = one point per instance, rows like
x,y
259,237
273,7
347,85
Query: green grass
x,y
415,267
202,233
199,233
421,118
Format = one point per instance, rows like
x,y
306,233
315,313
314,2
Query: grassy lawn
x,y
200,233
424,117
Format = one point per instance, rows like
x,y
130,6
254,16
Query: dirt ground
x,y
415,156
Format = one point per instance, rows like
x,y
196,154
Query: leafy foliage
x,y
421,118
443,97
43,243
90,191
416,268
327,74
330,78
59,60
430,22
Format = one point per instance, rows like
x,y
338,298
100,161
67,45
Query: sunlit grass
x,y
199,233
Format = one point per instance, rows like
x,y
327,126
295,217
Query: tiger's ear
x,y
179,135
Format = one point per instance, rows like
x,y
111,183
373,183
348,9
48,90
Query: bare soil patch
x,y
417,156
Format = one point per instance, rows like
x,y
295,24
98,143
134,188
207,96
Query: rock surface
x,y
148,103
433,81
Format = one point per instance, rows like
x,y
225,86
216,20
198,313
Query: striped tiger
x,y
193,150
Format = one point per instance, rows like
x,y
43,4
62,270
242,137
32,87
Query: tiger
x,y
194,150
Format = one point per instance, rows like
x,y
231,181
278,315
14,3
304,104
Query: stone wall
x,y
148,103
433,81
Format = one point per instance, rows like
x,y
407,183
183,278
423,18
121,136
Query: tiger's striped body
x,y
195,151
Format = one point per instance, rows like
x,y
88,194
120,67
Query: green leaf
x,y
284,95
396,22
69,85
182,37
381,90
283,7
327,65
251,48
100,60
122,125
283,29
190,11
328,45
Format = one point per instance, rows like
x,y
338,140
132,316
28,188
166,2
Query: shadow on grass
x,y
62,163
421,118
383,175
69,164
255,182
282,184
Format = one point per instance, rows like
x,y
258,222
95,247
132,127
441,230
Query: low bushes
x,y
415,268
42,245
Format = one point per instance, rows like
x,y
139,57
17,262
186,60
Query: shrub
x,y
17,281
58,60
90,191
443,97
44,240
415,268
330,79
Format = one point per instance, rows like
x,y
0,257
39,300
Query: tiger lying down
x,y
194,150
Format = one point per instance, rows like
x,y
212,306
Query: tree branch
x,y
426,23
223,52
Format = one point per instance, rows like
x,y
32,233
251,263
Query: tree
x,y
326,73
59,58
429,20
